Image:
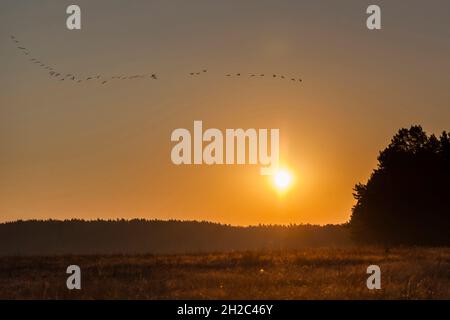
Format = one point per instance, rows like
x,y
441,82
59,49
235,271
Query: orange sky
x,y
90,151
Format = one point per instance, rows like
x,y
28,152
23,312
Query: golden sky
x,y
90,151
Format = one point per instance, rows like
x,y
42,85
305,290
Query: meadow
x,y
319,273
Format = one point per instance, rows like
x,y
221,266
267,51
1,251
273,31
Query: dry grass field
x,y
407,273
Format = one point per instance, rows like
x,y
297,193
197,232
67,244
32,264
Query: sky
x,y
86,150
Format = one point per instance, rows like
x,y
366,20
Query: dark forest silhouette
x,y
156,236
407,197
406,201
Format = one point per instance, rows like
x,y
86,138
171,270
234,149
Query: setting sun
x,y
282,179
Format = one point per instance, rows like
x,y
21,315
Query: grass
x,y
327,273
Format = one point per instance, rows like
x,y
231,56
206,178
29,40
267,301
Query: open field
x,y
407,273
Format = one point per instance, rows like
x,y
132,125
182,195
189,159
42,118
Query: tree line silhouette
x,y
406,200
49,237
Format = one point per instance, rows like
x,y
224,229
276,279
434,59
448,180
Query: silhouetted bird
x,y
238,74
204,70
154,76
104,82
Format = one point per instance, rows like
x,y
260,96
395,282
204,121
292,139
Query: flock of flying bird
x,y
262,75
53,73
103,80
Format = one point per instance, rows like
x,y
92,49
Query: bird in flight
x,y
71,76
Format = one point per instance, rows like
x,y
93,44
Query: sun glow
x,y
282,179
